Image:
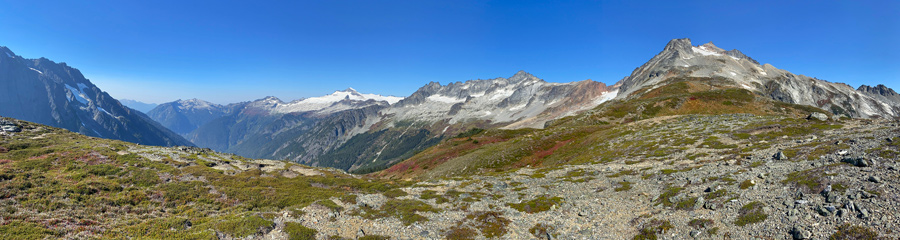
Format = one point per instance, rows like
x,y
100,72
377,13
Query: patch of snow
x,y
39,71
606,97
10,55
104,110
478,94
324,102
193,104
735,58
445,130
98,133
705,52
687,65
376,97
81,86
763,73
745,86
517,108
502,93
733,74
77,95
444,99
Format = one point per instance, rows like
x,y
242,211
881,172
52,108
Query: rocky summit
x,y
698,143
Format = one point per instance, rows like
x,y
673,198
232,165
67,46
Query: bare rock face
x,y
881,92
522,100
55,94
680,59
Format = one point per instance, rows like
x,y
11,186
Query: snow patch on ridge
x,y
77,95
705,52
320,103
502,93
38,71
104,110
606,97
444,99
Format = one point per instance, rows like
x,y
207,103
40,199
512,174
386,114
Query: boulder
x,y
779,156
818,116
800,233
858,161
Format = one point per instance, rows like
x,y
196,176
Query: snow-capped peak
x,y
708,49
194,104
318,103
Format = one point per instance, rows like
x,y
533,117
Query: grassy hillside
x,y
58,184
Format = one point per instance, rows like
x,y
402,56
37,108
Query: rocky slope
x,y
880,92
55,94
680,59
520,101
737,176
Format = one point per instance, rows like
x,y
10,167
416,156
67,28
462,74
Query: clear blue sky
x,y
229,51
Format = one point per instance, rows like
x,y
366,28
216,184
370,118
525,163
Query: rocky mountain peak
x,y
708,61
6,53
712,47
58,95
521,76
679,45
195,104
881,89
350,90
881,92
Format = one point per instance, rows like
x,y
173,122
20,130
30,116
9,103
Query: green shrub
x,y
664,198
460,233
395,193
623,186
406,210
541,230
243,226
330,205
747,184
102,170
469,133
24,230
297,231
716,194
851,232
652,228
751,213
491,224
539,204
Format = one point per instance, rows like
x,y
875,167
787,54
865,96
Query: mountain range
x,y
698,143
368,133
54,94
350,130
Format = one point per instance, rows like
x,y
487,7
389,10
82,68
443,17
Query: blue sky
x,y
230,51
